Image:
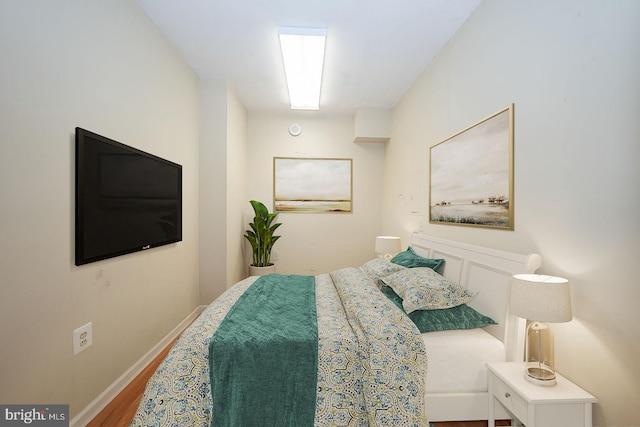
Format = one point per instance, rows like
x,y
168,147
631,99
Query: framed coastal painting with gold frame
x,y
311,185
471,175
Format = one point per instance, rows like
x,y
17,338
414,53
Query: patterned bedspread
x,y
371,361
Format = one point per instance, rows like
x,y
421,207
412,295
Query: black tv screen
x,y
126,200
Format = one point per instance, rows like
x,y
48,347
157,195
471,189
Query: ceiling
x,y
375,49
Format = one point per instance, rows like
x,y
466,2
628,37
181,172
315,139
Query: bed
x,y
457,376
373,365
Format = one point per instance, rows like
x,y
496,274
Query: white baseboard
x,y
100,402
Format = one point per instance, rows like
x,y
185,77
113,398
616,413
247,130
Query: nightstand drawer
x,y
514,403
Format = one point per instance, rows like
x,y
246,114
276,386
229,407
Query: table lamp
x,y
387,246
540,299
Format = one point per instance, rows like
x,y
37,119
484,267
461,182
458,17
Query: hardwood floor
x,y
121,410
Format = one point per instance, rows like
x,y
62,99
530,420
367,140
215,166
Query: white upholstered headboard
x,y
488,272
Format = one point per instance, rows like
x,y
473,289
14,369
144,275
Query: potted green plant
x,y
261,238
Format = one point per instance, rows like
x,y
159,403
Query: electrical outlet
x,y
82,338
275,255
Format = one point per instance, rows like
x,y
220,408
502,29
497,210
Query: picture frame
x,y
312,185
471,175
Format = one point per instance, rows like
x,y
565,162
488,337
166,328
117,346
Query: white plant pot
x,y
262,271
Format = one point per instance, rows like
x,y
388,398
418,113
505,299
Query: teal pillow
x,y
410,259
460,317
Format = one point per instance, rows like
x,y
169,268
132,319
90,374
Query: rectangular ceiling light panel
x,y
303,55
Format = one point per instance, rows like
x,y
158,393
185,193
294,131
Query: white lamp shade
x,y
542,298
388,245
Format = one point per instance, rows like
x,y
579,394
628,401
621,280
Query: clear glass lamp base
x,y
540,375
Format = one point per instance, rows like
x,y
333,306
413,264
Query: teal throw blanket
x,y
263,358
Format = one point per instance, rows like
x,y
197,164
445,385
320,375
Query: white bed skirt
x,y
457,374
457,360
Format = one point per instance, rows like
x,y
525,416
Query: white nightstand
x,y
562,405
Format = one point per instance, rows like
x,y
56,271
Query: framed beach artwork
x,y
471,175
311,185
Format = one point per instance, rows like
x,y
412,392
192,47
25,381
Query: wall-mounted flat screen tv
x,y
127,200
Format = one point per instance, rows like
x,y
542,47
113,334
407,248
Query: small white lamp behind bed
x,y
387,246
540,299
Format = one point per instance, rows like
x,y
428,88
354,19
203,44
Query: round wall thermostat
x,y
295,129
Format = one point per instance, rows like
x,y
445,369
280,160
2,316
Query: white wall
x,y
223,157
237,177
571,68
103,66
213,188
316,243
